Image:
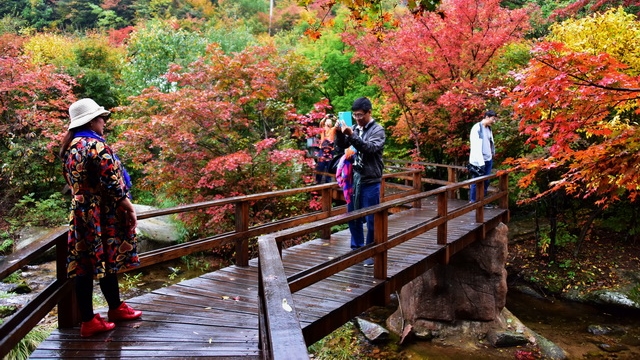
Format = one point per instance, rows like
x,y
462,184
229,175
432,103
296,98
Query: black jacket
x,y
369,142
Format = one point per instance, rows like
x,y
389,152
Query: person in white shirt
x,y
482,148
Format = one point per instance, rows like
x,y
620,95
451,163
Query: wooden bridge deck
x,y
216,315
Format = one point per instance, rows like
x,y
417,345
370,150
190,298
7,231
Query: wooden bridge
x,y
276,305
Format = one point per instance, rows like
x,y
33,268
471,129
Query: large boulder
x,y
157,232
464,302
473,286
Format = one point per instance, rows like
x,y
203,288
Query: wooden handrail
x,y
281,333
378,250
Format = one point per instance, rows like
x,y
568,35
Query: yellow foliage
x,y
62,51
204,6
614,32
113,56
49,49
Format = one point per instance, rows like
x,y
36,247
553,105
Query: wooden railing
x,y
276,290
60,292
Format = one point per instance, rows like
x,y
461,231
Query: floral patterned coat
x,y
98,241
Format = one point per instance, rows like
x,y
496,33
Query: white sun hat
x,y
83,111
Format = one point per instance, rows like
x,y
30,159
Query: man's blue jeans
x,y
472,189
369,196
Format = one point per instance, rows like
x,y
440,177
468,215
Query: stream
x,y
577,328
564,323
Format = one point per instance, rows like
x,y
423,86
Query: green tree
x,y
78,14
152,48
12,7
346,78
153,9
39,14
11,24
96,68
109,19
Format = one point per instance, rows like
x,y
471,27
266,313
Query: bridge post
x,y
417,185
452,177
68,312
503,203
242,225
479,198
442,212
380,236
326,208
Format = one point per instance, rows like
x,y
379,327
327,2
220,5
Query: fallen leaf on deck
x,y
286,306
225,297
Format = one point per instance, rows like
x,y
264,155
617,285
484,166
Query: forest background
x,y
212,99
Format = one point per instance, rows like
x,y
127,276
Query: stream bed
x,y
583,331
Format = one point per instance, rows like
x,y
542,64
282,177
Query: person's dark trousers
x,y
472,190
323,166
369,196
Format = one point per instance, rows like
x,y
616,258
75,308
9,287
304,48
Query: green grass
x,y
30,342
339,345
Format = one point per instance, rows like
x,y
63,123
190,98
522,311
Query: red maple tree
x,y
435,70
228,128
580,113
33,118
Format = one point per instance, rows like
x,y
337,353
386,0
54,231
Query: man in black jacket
x,y
368,138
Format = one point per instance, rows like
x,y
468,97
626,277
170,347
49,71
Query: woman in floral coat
x,y
102,222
